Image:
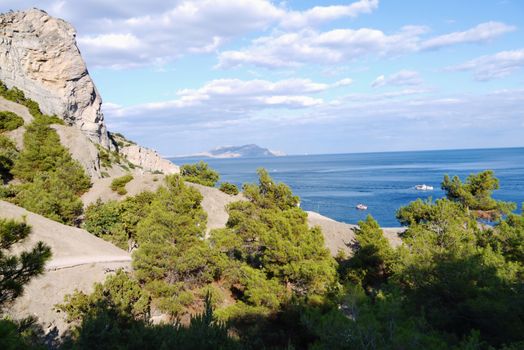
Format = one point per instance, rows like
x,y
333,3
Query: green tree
x,y
117,221
199,173
475,194
8,157
48,196
451,273
116,316
172,256
269,233
52,181
18,270
373,257
15,272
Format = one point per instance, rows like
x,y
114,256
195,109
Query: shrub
x,y
229,188
8,156
118,185
199,173
10,121
50,196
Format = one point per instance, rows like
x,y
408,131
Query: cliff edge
x,y
39,55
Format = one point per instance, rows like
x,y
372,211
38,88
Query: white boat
x,y
424,187
361,206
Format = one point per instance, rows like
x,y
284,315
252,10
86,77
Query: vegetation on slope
x,y
51,180
15,272
118,185
229,188
452,284
199,173
10,121
8,156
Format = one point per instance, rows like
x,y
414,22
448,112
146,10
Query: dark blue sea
x,y
333,184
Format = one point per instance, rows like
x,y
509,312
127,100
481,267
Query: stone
x,y
148,159
39,55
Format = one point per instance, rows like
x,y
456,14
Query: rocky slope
x,y
39,55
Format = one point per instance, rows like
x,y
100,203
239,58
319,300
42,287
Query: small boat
x,y
361,206
424,187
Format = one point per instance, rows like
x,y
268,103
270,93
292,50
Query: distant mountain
x,y
245,151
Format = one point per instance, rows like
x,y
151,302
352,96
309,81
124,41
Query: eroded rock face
x,y
148,159
38,54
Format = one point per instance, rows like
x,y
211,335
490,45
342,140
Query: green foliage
x,y
272,253
52,180
10,121
172,257
119,293
117,222
44,153
373,258
475,194
115,316
452,284
267,194
17,270
229,188
8,157
21,334
199,173
455,274
118,185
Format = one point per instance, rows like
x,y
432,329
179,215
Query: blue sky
x,y
304,76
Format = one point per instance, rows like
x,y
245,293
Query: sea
x,y
334,184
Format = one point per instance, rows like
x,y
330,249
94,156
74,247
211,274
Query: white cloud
x,y
401,78
310,46
494,66
321,14
230,99
481,33
339,45
432,121
343,82
159,31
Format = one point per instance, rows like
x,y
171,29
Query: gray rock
x,y
148,159
38,54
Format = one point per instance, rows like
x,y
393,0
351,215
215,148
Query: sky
x,y
304,77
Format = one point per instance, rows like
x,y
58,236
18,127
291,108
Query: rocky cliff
x,y
39,55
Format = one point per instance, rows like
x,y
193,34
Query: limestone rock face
x,y
148,159
38,54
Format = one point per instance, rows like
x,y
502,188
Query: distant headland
x,y
244,151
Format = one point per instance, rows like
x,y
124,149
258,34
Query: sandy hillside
x,y
79,260
214,204
339,235
101,188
